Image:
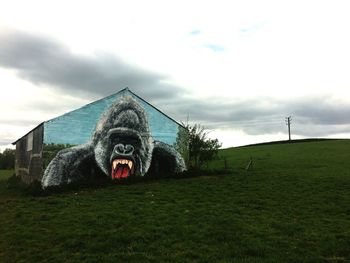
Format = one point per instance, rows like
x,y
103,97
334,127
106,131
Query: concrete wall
x,y
29,164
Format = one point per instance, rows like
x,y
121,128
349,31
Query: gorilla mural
x,y
121,147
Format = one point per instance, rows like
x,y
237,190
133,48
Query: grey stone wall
x,y
29,152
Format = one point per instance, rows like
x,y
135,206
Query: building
x,y
36,149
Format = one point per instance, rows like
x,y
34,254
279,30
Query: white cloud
x,y
278,49
24,105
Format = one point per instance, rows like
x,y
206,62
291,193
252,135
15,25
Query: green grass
x,y
5,174
293,206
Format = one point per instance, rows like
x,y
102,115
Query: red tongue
x,y
122,172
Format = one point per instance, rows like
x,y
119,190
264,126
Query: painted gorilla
x,y
121,147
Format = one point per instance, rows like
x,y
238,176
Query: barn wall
x,y
162,128
35,150
28,164
76,127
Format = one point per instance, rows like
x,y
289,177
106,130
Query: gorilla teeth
x,y
122,161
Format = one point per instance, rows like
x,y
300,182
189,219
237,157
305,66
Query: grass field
x,y
293,206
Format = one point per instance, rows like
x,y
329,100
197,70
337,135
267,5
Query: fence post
x,y
250,164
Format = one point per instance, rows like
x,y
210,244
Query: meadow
x,y
292,205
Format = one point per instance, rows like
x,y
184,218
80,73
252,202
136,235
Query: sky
x,y
238,68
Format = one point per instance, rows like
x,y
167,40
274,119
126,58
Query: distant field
x,y
292,206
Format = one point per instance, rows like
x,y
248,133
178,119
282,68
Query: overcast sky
x,y
236,67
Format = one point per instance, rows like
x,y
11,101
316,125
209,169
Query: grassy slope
x,y
294,206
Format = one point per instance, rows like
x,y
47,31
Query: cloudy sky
x,y
236,67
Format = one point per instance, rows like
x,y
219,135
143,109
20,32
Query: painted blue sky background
x,y
237,67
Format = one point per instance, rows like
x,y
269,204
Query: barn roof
x,y
14,143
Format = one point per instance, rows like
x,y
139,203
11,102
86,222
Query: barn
x,y
35,149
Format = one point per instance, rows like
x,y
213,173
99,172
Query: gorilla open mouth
x,y
122,168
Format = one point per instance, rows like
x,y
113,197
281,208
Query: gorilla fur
x,y
121,146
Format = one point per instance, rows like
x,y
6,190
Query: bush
x,y
7,159
201,148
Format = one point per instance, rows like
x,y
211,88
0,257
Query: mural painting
x,y
121,146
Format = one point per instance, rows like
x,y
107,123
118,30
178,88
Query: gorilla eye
x,y
117,138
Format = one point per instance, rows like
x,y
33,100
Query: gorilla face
x,y
123,143
125,156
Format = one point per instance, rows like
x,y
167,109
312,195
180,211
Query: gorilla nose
x,y
127,149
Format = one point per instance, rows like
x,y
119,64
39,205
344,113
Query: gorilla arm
x,y
65,168
165,159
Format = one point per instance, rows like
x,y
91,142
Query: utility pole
x,y
288,121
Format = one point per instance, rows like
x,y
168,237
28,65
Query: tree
x,y
201,148
7,159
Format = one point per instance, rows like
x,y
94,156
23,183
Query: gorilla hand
x,y
65,167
